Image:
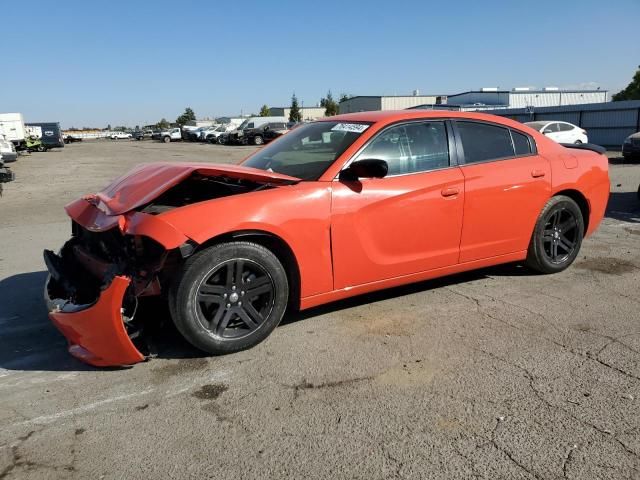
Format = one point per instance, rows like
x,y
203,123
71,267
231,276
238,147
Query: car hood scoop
x,y
146,182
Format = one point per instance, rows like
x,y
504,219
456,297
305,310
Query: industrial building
x,y
308,113
363,103
523,97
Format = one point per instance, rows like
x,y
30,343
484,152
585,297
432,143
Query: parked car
x,y
381,199
7,150
214,135
561,132
171,135
138,135
72,139
264,133
631,147
206,131
236,137
120,136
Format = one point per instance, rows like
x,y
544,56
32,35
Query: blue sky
x,y
117,62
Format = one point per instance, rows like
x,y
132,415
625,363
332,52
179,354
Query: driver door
x,y
407,222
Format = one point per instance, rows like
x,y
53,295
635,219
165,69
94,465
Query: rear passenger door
x,y
506,185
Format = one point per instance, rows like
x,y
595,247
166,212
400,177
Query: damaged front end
x,y
121,249
92,292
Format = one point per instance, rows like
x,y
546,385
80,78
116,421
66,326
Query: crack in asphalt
x,y
17,461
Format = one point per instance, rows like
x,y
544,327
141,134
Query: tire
x,y
220,140
206,300
166,139
257,140
40,148
578,142
557,236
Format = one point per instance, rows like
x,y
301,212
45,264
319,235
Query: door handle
x,y
449,192
538,173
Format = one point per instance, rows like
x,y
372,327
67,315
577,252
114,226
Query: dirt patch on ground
x,y
185,366
210,392
610,265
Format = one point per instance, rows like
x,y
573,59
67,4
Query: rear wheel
x,y
557,236
229,297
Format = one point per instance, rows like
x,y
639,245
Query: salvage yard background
x,y
493,374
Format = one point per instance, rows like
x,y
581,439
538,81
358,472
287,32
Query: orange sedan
x,y
335,208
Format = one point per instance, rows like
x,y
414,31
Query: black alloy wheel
x,y
229,297
560,235
557,236
235,298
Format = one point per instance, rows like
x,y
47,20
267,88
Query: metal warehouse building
x,y
525,97
308,113
394,102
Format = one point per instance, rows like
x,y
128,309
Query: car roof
x,y
392,116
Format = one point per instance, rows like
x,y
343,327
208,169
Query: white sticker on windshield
x,y
350,127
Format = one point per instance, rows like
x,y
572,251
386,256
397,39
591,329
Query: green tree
x,y
265,111
632,92
162,124
295,115
329,104
344,96
186,117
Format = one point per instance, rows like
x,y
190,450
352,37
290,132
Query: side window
x,y
551,128
521,143
413,147
482,142
565,127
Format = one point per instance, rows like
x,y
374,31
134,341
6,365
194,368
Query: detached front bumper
x,y
96,332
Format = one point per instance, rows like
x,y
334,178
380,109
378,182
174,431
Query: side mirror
x,y
368,168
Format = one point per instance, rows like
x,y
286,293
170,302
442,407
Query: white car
x,y
120,136
7,150
561,132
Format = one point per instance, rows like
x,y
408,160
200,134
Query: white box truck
x,y
12,127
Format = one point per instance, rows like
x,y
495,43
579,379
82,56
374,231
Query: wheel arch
x,y
582,202
275,244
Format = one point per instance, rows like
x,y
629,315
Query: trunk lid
x,y
146,182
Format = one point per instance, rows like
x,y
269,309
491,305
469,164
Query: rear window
x,y
521,143
482,142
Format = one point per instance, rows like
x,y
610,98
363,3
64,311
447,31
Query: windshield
x,y
309,150
243,125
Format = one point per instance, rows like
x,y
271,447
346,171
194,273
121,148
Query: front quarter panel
x,y
298,214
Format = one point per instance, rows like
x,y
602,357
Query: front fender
x,y
299,214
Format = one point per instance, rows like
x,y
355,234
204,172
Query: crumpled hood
x,y
146,182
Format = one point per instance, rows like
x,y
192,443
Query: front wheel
x,y
166,139
578,142
229,297
257,140
557,236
